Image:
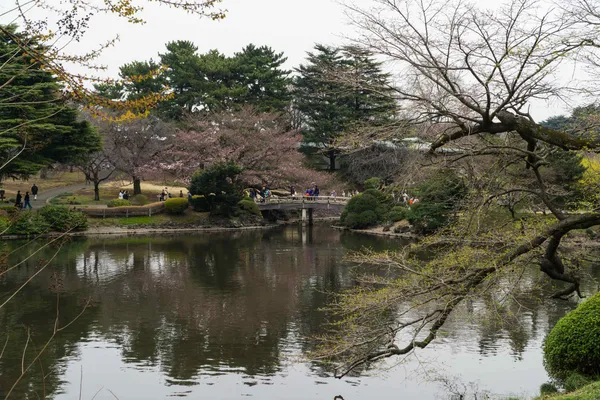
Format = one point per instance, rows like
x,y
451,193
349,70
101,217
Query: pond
x,y
230,316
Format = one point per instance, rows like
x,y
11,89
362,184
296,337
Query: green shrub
x,y
63,219
217,185
176,205
373,183
248,206
397,213
118,203
4,224
427,217
29,223
438,196
576,381
200,203
139,200
573,345
10,210
366,210
547,388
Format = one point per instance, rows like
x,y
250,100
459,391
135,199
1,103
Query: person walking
x,y
121,195
27,202
126,195
181,193
18,199
34,191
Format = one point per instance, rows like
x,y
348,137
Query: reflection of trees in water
x,y
520,320
204,304
188,304
34,310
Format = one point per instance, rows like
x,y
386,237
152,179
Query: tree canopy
x,y
338,89
38,126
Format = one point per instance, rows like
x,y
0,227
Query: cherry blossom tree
x,y
259,142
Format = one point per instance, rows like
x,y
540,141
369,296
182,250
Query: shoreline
x,y
115,230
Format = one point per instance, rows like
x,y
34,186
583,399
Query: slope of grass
x,y
589,392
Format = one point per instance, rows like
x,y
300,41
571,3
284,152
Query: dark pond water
x,y
230,316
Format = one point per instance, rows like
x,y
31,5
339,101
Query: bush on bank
x,y
248,206
63,219
366,210
176,206
217,185
573,345
47,219
118,203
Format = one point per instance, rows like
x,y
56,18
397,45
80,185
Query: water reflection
x,y
188,314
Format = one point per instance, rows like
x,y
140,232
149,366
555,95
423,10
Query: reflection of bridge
x,y
306,204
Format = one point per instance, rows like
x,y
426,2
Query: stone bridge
x,y
306,204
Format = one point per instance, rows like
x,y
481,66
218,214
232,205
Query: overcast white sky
x,y
289,26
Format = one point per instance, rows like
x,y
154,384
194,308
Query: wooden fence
x,y
129,211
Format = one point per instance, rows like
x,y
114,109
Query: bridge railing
x,y
303,199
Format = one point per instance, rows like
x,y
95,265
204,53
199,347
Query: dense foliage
x,y
217,185
38,126
248,206
573,345
337,89
439,196
366,210
199,203
207,83
176,205
63,219
28,223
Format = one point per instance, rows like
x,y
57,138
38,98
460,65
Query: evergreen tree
x,y
268,86
37,127
338,89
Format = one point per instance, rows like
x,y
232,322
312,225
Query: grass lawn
x,y
110,191
190,217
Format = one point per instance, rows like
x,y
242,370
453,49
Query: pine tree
x,y
338,89
37,126
268,86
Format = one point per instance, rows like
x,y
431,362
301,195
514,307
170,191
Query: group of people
x,y
123,195
24,202
259,195
165,194
408,200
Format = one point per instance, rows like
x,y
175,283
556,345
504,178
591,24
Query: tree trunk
x,y
97,191
332,158
137,186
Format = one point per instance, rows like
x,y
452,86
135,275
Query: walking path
x,y
44,196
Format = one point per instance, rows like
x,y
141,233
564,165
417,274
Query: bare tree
x,y
473,72
97,168
134,147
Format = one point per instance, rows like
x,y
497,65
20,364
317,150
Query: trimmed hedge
x,y
366,210
249,206
63,219
118,203
176,205
573,345
139,200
